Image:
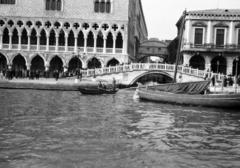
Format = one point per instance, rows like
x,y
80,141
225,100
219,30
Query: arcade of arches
x,y
20,67
217,64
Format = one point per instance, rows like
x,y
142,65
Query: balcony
x,y
211,47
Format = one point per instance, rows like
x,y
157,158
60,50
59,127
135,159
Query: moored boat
x,y
97,90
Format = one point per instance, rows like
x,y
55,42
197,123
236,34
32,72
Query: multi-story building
x,y
66,34
211,40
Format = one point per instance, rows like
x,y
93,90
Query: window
x,y
220,37
102,6
54,5
198,36
7,1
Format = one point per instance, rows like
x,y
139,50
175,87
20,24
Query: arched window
x,y
52,38
6,36
15,36
43,37
53,4
24,38
33,38
61,38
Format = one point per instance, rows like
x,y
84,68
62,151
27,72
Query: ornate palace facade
x,y
212,40
67,34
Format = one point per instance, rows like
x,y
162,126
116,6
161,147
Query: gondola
x,y
97,90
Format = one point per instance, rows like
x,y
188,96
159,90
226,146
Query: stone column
x,y
209,33
10,41
231,34
1,37
75,45
207,63
114,45
104,44
29,43
47,45
95,45
85,44
230,64
187,33
66,43
186,59
38,42
19,42
125,44
57,43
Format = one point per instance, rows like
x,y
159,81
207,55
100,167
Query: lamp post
x,y
236,74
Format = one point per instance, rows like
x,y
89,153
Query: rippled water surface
x,y
41,129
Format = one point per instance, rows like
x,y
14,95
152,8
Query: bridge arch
x,y
157,76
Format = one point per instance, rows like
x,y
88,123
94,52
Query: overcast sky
x,y
162,15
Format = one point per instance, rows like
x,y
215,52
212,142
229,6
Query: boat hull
x,y
209,100
97,91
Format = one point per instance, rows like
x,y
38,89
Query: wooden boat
x,y
97,90
227,100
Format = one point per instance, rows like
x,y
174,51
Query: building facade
x,y
153,48
211,40
46,35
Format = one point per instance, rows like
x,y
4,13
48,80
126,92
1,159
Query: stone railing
x,y
149,67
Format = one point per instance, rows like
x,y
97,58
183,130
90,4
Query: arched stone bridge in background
x,y
129,74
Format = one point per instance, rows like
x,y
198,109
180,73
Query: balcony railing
x,y
53,48
212,46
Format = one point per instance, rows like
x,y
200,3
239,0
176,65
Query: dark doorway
x,y
197,62
113,62
236,64
74,64
3,63
37,64
219,65
19,66
94,63
56,64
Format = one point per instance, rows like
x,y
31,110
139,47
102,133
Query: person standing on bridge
x,y
114,84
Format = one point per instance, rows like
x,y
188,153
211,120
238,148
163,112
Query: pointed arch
x,y
6,36
197,62
90,39
24,37
37,64
113,62
100,40
56,63
61,38
43,37
109,43
80,39
19,63
15,36
52,38
33,37
71,38
119,40
74,64
94,63
3,63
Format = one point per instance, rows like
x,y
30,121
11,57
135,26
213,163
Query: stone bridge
x,y
129,74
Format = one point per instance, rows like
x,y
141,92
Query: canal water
x,y
42,129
